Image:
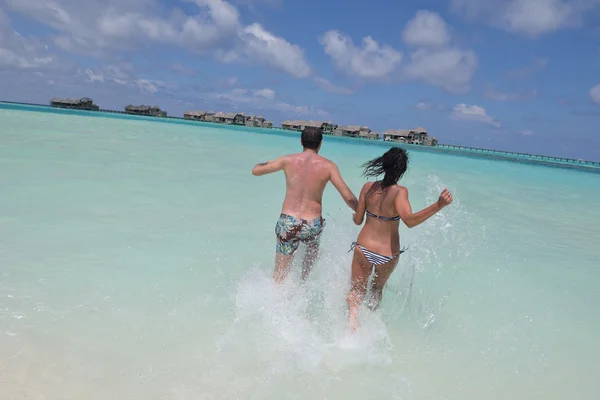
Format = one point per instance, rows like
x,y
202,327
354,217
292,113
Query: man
x,y
306,174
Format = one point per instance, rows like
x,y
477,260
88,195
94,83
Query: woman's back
x,y
380,232
377,247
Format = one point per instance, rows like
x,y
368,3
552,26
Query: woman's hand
x,y
445,199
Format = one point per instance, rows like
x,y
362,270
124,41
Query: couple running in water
x,y
384,202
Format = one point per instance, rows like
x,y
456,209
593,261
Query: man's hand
x,y
445,199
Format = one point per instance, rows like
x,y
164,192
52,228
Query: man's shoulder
x,y
331,167
288,157
327,162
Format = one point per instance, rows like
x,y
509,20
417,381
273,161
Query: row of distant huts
x,y
85,103
412,136
229,118
328,128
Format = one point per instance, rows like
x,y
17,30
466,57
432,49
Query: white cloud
x,y
330,87
527,132
301,110
120,74
508,96
99,28
147,85
112,74
475,113
426,29
368,61
265,93
262,46
533,17
528,17
241,95
436,60
265,99
19,52
69,81
93,77
450,68
13,58
595,94
424,106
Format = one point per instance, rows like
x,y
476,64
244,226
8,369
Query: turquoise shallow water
x,y
135,263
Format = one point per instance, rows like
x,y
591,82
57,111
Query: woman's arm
x,y
405,211
359,216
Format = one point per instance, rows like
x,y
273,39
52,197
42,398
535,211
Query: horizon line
x,y
565,162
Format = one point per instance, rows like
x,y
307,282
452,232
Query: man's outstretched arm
x,y
269,167
340,185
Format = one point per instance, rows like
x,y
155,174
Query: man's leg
x,y
312,252
282,266
311,235
285,231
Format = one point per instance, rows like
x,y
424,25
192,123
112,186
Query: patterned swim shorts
x,y
290,231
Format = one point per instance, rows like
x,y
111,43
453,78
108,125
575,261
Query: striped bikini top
x,y
396,218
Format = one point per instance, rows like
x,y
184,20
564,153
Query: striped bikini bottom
x,y
375,258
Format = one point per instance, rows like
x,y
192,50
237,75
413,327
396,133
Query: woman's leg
x,y
382,274
361,270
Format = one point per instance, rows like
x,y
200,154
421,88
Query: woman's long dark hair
x,y
392,164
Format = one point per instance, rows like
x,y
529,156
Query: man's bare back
x,y
307,175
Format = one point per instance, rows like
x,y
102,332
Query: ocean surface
x,y
136,261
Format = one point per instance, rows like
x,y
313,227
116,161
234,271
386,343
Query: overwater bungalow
x,y
349,130
258,122
300,125
366,133
412,136
240,119
209,116
327,128
153,111
224,118
195,115
84,103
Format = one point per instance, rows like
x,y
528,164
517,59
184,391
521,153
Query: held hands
x,y
445,199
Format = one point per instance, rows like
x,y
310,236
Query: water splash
x,y
438,250
300,329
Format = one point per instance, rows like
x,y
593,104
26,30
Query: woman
x,y
378,244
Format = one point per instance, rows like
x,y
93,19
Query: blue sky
x,y
510,74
